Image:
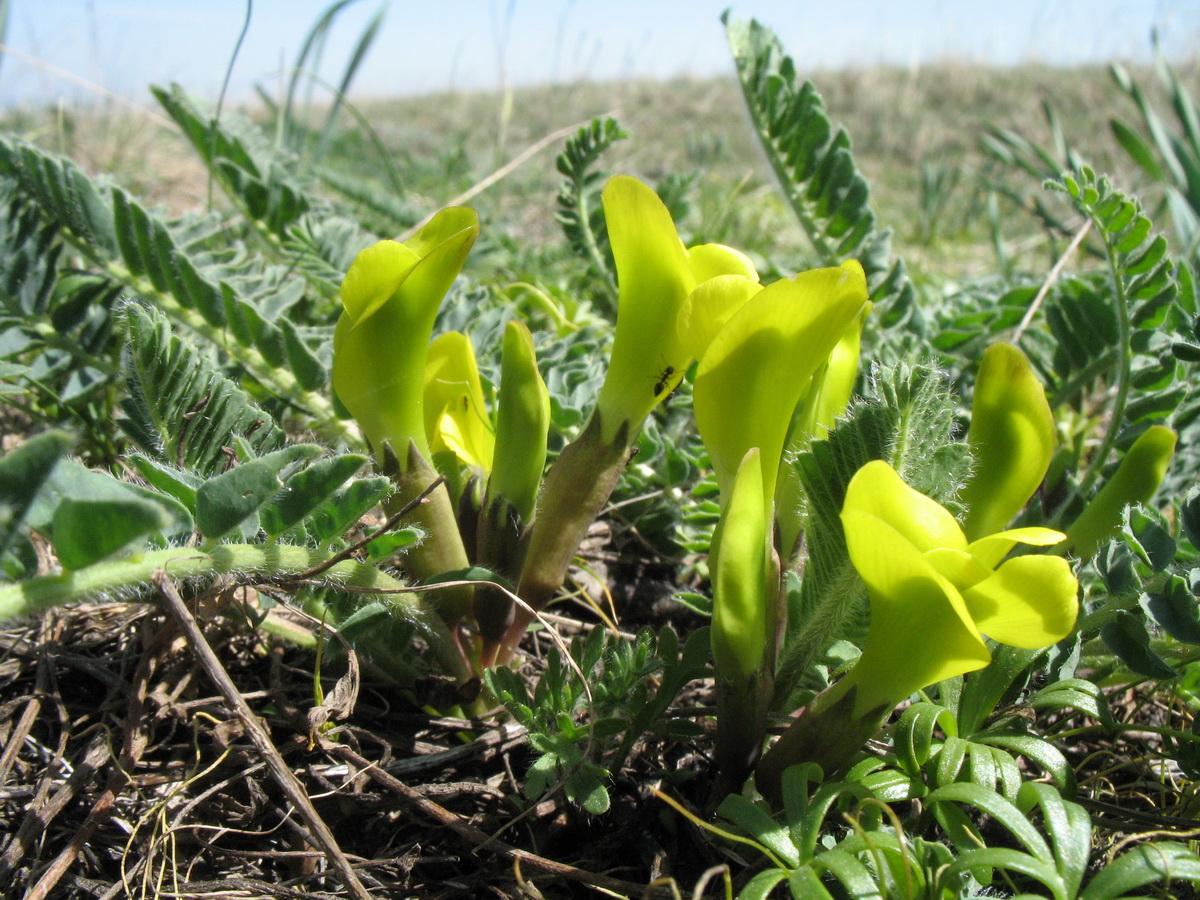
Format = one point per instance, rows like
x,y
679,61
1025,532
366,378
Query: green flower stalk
x,y
522,426
390,297
757,368
933,594
1011,437
656,340
1135,481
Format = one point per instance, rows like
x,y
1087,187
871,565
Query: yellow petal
x,y
1135,481
654,278
377,374
920,630
374,276
876,489
456,416
958,567
993,548
445,224
832,388
757,367
380,341
522,423
1029,602
829,392
711,260
709,307
739,559
1011,436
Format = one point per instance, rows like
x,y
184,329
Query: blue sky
x,y
124,45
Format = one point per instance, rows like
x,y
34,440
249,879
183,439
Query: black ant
x,y
661,384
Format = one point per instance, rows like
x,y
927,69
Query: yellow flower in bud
x,y
390,297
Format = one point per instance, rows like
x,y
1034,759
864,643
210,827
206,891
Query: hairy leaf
x,y
180,408
816,171
579,211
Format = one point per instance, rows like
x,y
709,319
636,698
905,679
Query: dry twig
x,y
417,802
284,777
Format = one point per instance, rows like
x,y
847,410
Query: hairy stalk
x,y
442,550
246,563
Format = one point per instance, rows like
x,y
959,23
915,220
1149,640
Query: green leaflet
x,y
87,531
180,407
194,286
815,167
23,472
90,516
253,174
308,489
228,500
579,214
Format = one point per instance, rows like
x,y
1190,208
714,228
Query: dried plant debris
x,y
126,773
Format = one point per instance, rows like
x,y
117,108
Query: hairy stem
x,y
246,563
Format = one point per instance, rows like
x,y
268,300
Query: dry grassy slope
x,y
898,119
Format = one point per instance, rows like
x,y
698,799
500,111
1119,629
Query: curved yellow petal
x,y
378,375
1135,481
920,631
709,307
380,341
758,366
739,560
1029,602
1011,436
829,392
374,275
958,567
654,277
710,260
832,388
993,548
877,489
456,417
445,225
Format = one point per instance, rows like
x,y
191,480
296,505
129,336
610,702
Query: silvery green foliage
x,y
815,168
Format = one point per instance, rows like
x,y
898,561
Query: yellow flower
x,y
656,276
934,594
761,362
390,297
456,416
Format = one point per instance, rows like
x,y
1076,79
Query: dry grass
x,y
899,119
